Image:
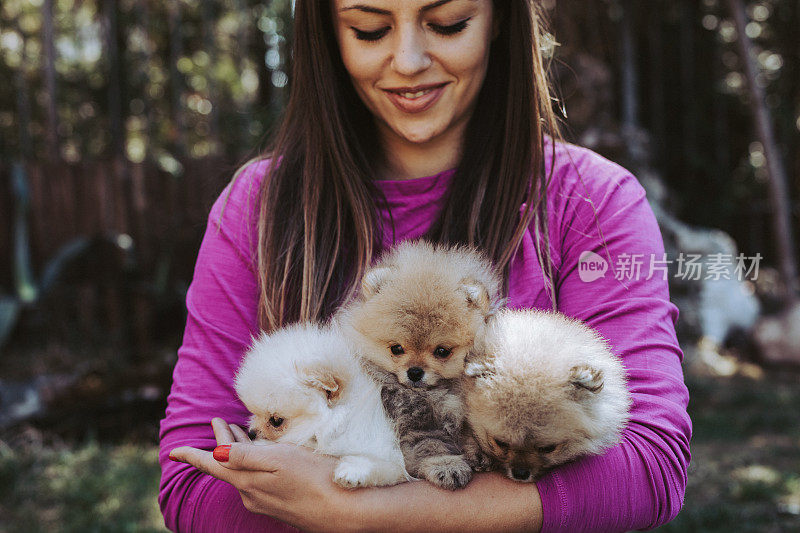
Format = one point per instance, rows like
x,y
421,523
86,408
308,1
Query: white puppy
x,y
305,387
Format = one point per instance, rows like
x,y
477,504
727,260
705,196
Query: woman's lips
x,y
418,104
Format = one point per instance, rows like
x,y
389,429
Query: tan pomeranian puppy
x,y
414,322
542,390
304,386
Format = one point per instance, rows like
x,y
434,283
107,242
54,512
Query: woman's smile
x,y
416,99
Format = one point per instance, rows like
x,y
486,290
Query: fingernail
x,y
173,459
221,453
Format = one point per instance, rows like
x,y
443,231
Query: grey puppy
x,y
417,317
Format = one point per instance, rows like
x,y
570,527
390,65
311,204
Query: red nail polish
x,y
173,459
221,453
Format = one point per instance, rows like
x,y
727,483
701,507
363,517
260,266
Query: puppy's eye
x,y
275,421
397,349
546,449
500,444
441,352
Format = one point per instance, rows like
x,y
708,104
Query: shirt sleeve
x,y
222,308
640,483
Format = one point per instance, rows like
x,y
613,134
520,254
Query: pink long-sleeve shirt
x,y
593,206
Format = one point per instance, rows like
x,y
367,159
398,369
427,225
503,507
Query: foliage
x,y
745,469
203,81
90,487
209,78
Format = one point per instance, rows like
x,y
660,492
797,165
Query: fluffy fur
x,y
543,390
416,318
304,386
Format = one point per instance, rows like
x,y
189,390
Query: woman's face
x,y
418,65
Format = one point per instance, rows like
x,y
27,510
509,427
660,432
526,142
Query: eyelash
x,y
373,36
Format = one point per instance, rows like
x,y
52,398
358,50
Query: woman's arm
x,y
490,502
221,305
295,485
641,482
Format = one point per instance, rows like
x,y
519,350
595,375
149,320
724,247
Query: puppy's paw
x,y
479,461
473,454
446,471
353,471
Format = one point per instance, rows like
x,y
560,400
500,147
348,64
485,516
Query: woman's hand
x,y
288,482
295,485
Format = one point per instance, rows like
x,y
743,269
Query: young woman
x,y
409,119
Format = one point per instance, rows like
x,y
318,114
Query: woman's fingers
x,y
247,456
238,433
201,460
222,432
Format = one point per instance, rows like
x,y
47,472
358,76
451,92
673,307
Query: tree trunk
x,y
657,84
209,41
778,189
143,15
688,87
175,78
630,99
114,82
23,109
51,132
634,136
244,114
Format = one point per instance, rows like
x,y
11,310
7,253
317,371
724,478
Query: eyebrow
x,y
370,9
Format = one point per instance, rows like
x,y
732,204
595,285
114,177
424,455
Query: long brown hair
x,y
318,219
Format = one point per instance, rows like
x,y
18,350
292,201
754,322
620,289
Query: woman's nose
x,y
411,52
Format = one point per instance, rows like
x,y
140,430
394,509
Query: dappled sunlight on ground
x,y
87,487
745,469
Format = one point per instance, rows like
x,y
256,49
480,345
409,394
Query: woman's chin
x,y
418,137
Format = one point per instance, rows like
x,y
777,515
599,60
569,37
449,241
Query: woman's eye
x,y
441,352
449,30
369,35
546,449
397,349
275,421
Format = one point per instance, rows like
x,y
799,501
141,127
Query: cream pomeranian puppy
x,y
542,390
417,316
304,386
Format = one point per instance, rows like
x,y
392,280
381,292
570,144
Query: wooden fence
x,y
161,215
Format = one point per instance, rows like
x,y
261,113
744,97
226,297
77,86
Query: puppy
x,y
543,390
416,318
304,386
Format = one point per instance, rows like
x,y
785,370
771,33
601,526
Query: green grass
x,y
88,488
745,469
744,475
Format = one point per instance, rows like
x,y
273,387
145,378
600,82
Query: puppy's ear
x,y
373,280
476,294
479,369
585,377
325,382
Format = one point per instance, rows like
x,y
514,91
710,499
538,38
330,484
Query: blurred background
x,y
121,121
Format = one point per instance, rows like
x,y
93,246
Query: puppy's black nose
x,y
252,434
520,472
415,373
